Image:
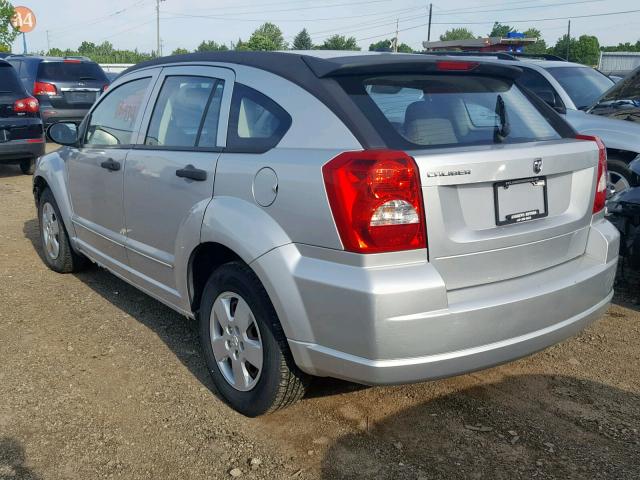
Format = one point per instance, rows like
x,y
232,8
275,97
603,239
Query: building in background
x,y
618,63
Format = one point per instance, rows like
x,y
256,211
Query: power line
x,y
96,20
503,21
537,6
224,16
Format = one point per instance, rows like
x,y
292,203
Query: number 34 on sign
x,y
24,19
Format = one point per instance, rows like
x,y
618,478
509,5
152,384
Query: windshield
x,y
584,85
417,111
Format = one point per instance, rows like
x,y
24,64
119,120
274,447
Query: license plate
x,y
520,200
80,97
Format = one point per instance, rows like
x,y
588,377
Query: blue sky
x,y
185,23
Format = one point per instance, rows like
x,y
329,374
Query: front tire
x,y
56,249
244,346
28,166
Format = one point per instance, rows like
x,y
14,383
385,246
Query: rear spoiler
x,y
394,63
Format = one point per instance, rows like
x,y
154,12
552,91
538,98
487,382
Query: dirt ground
x,y
97,380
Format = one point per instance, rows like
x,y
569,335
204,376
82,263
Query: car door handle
x,y
111,164
193,173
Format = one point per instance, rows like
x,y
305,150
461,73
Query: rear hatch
x,y
507,189
77,83
15,125
622,101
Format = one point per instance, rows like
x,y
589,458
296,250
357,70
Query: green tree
x,y
211,46
7,33
302,41
180,51
266,37
500,30
538,47
387,46
457,34
585,50
339,42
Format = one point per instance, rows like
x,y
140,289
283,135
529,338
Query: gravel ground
x,y
97,380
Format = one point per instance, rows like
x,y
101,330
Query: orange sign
x,y
24,19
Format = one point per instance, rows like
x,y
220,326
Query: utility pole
x,y
48,42
159,46
395,42
568,39
429,31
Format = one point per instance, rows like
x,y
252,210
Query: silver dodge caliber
x,y
380,218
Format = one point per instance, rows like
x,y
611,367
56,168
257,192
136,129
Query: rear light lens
x,y
43,88
601,184
376,201
26,105
72,60
105,88
455,66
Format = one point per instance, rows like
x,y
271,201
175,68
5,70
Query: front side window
x,y
113,120
177,119
584,85
424,110
256,123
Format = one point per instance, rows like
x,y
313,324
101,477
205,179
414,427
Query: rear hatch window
x,y
422,110
71,72
9,82
10,89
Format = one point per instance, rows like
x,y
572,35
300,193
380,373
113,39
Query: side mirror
x,y
63,133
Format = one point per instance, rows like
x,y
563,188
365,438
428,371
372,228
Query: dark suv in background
x,y
65,87
21,131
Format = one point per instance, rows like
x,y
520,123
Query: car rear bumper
x,y
399,324
52,115
17,150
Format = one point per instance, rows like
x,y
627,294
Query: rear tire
x,y
266,382
28,166
56,249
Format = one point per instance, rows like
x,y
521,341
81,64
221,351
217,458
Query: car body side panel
x,y
617,134
52,168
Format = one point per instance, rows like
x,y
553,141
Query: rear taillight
x,y
44,88
105,87
376,201
601,184
26,105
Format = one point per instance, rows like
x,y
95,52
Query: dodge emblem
x,y
537,165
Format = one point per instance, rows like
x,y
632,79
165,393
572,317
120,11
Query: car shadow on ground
x,y
8,170
529,426
179,333
13,461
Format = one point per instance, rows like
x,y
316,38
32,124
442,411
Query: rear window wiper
x,y
88,78
503,130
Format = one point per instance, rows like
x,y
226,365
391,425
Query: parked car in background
x,y
622,101
571,89
65,87
21,132
378,218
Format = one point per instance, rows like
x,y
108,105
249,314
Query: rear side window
x,y
9,82
178,115
256,123
70,71
418,111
